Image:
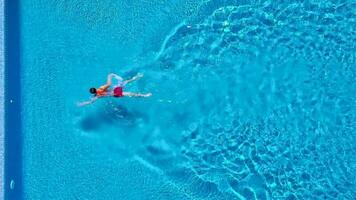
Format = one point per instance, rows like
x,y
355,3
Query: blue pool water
x,y
251,99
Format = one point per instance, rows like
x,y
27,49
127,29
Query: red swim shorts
x,y
118,92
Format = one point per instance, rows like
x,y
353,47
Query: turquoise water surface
x,y
251,99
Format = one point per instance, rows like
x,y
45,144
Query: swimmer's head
x,y
92,90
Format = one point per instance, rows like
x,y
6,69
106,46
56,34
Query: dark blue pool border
x,y
13,125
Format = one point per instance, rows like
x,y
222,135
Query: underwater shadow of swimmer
x,y
111,114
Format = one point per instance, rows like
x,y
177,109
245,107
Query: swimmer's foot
x,y
131,94
147,95
138,76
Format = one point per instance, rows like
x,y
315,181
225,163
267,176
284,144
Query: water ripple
x,y
274,85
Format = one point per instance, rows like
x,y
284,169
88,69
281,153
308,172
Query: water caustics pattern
x,y
251,100
272,88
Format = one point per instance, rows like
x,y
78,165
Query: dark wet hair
x,y
92,90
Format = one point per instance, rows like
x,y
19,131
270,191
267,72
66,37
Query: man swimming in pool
x,y
116,91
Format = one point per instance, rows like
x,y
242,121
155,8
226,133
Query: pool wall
x,y
1,99
12,102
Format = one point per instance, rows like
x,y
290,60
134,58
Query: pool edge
x,y
12,125
2,180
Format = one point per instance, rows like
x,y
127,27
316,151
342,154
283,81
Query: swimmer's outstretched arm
x,y
87,102
138,76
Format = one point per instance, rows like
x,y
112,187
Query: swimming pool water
x,y
251,99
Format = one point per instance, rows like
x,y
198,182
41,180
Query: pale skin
x,y
109,93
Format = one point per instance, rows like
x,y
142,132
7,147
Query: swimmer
x,y
117,91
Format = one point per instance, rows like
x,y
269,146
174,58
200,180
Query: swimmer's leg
x,y
131,94
138,76
119,79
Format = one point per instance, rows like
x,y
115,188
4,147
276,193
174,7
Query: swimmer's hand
x,y
139,75
81,104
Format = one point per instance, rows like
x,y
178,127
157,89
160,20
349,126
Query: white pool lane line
x,y
2,99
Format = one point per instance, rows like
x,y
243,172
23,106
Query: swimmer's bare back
x,y
117,91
